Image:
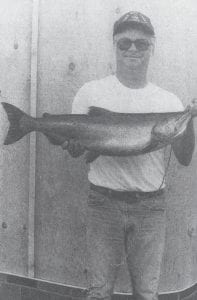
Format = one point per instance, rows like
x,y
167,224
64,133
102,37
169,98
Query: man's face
x,y
133,55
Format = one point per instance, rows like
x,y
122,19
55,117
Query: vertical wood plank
x,y
32,162
15,48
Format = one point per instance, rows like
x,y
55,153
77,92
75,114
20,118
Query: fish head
x,y
171,127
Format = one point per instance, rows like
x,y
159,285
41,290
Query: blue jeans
x,y
134,226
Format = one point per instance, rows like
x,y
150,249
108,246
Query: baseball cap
x,y
133,18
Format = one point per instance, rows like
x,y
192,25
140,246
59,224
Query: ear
x,y
153,50
153,46
114,43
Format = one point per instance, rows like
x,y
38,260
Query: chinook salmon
x,y
102,132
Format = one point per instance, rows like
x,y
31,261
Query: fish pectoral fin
x,y
98,111
90,156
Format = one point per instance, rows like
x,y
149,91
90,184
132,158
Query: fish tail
x,y
20,123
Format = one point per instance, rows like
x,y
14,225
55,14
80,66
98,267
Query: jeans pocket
x,y
95,199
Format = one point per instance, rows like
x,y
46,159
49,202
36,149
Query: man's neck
x,y
134,79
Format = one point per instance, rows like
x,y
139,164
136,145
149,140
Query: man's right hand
x,y
74,148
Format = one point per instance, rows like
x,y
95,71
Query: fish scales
x,y
103,132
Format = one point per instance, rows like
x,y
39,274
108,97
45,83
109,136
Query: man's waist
x,y
126,194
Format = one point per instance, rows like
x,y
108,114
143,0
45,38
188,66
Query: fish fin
x,y
55,139
98,111
45,115
90,156
16,131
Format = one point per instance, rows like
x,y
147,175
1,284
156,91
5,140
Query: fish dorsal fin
x,y
98,111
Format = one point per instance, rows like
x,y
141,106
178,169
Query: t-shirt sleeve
x,y
80,102
176,104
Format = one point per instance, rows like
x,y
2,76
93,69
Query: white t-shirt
x,y
133,173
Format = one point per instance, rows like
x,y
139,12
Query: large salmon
x,y
102,132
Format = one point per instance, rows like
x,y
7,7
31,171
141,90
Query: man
x,y
126,203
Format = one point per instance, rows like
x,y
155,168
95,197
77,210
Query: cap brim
x,y
130,24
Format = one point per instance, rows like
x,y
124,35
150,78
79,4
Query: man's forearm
x,y
184,147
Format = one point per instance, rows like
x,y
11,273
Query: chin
x,y
133,65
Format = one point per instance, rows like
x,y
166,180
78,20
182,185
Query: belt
x,y
125,194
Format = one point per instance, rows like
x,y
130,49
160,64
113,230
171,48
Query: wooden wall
x,y
15,41
74,46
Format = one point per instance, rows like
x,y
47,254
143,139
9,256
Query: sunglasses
x,y
140,44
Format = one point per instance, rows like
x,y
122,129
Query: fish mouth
x,y
182,124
